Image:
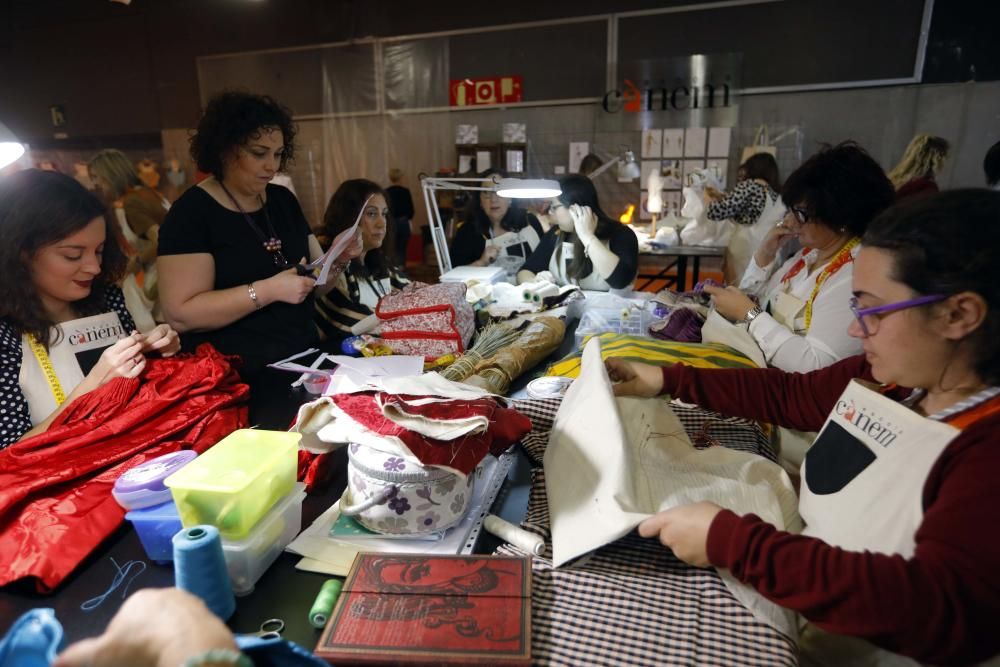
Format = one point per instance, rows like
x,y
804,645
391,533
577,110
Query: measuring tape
x,y
50,374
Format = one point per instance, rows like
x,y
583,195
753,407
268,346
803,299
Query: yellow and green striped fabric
x,y
654,351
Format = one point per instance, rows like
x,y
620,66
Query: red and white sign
x,y
491,90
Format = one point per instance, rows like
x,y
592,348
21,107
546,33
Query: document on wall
x,y
341,243
612,462
483,161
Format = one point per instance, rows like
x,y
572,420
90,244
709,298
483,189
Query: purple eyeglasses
x,y
866,316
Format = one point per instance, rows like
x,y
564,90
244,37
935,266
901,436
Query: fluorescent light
x,y
10,148
528,188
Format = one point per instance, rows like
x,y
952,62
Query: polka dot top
x,y
15,418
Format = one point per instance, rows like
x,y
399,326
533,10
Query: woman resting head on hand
x,y
61,262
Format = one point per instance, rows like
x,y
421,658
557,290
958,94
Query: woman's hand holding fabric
x,y
123,359
730,302
684,530
633,378
162,339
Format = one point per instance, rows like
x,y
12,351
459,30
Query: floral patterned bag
x,y
389,494
427,320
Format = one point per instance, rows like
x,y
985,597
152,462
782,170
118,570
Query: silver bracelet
x,y
253,296
219,656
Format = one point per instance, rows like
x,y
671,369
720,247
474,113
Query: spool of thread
x,y
200,568
546,290
520,538
320,612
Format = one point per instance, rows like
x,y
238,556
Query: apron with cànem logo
x,y
848,501
48,376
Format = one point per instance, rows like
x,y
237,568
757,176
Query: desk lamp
x,y
10,148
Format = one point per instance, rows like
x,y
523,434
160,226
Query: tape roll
x,y
520,538
321,609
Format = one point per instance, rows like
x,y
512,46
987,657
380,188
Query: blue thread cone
x,y
200,568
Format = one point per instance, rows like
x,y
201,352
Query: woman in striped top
x,y
373,274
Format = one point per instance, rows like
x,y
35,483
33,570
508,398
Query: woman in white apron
x,y
584,247
898,560
64,327
801,322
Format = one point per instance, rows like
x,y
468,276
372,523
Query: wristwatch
x,y
751,314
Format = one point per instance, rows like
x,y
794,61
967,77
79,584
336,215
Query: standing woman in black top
x,y
492,217
372,274
401,205
227,244
585,246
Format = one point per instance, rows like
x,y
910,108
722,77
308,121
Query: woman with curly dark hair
x,y
799,324
229,246
64,328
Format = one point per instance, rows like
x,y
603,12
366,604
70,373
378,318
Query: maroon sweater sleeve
x,y
938,606
799,401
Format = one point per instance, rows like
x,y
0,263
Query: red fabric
x,y
941,605
506,427
55,488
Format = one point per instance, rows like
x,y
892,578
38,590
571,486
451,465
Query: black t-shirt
x,y
622,242
470,243
196,223
400,201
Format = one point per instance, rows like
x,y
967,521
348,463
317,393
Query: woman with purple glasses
x,y
899,492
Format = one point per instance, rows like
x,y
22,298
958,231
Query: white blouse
x,y
827,340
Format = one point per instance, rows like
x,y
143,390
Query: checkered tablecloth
x,y
632,602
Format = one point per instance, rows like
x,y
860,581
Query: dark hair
x,y
343,210
579,189
589,164
841,187
764,167
948,243
230,120
991,165
515,219
39,208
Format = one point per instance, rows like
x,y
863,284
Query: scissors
x,y
270,629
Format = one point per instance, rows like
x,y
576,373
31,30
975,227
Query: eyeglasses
x,y
801,215
489,194
869,318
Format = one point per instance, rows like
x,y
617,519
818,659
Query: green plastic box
x,y
234,484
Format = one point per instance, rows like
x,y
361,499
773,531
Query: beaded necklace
x,y
272,244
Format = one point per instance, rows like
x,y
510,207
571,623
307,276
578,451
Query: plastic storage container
x,y
156,527
633,321
236,482
142,486
249,558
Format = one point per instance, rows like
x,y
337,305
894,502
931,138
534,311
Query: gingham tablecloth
x,y
632,602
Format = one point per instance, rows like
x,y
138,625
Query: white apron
x,y
559,267
862,485
78,350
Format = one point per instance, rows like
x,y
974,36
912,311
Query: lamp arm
x,y
604,167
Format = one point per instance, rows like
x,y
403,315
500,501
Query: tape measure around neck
x,y
50,373
839,260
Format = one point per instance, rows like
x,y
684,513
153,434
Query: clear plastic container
x,y
633,321
234,484
156,526
249,558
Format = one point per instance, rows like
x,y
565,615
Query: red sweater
x,y
941,605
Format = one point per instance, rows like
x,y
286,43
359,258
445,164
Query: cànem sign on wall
x,y
676,84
